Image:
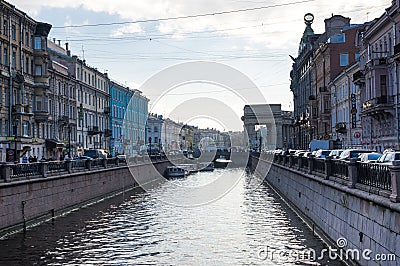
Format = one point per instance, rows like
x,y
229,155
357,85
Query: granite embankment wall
x,y
367,221
28,201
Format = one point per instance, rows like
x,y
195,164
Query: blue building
x,y
128,118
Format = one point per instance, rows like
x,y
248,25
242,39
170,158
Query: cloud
x,y
273,27
129,29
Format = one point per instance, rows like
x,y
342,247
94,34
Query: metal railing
x,y
340,169
319,165
374,175
12,172
25,170
366,175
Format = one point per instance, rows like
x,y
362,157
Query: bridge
x,y
278,123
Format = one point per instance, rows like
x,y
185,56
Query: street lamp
x,y
69,141
15,125
149,146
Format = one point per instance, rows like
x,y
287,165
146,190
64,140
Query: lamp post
x,y
15,125
149,146
69,141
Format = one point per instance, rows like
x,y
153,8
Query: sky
x,y
135,40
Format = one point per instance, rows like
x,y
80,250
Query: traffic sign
x,y
357,135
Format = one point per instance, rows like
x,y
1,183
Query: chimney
x,y
59,42
66,48
54,40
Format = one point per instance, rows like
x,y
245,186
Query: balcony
x,y
378,107
107,110
396,55
41,116
63,119
93,130
378,62
341,127
359,78
20,109
107,133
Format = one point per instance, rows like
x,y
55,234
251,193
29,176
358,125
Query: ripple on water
x,y
143,230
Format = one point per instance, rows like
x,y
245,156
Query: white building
x,y
345,103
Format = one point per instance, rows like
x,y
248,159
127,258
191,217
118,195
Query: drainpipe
x,y
22,59
396,82
350,136
11,92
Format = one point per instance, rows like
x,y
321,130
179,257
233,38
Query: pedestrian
x,y
25,159
31,159
35,159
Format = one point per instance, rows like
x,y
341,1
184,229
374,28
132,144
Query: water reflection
x,y
138,228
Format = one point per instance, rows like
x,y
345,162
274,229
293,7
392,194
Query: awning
x,y
53,144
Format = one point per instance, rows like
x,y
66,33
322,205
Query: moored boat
x,y
174,171
221,162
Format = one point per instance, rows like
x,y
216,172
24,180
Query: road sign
x,y
357,135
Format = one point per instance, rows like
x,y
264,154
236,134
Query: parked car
x,y
369,157
335,154
306,154
389,157
299,153
96,153
353,153
322,154
82,157
121,157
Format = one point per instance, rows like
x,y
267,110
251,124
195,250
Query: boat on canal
x,y
221,162
174,172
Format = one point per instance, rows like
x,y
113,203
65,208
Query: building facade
x,y
301,85
330,59
346,108
93,98
153,136
129,109
379,81
23,71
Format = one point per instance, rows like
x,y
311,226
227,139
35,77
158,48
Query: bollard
x,y
353,175
290,161
299,163
68,166
328,167
395,179
310,164
6,172
43,167
88,164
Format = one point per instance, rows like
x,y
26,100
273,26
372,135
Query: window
x,y
26,68
13,32
5,56
38,70
14,59
25,129
27,39
38,43
5,27
344,59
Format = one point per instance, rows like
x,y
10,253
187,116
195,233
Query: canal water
x,y
245,227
